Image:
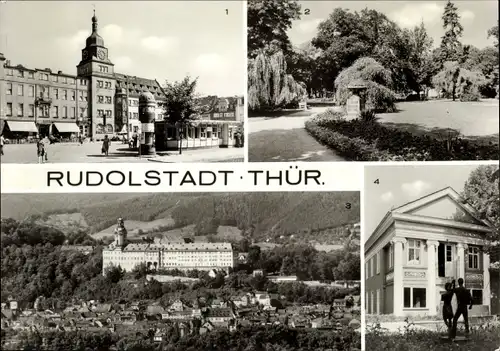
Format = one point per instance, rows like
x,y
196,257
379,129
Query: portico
x,y
420,246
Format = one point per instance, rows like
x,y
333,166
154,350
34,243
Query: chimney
x,y
59,72
7,62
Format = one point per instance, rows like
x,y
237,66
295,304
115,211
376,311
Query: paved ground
x,y
281,139
118,153
470,118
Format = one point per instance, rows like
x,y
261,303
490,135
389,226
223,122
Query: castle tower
x,y
120,234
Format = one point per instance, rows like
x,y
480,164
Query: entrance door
x,y
449,260
441,260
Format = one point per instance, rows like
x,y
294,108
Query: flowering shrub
x,y
371,141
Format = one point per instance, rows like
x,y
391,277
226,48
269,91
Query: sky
x,y
399,185
163,40
477,17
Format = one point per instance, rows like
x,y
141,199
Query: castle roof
x,y
175,247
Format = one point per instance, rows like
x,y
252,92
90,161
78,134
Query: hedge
x,y
359,140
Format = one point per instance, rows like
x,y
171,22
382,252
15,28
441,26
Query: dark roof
x,y
137,85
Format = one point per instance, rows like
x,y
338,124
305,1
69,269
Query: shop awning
x,y
18,126
67,127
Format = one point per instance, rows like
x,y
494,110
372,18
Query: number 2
x,y
307,12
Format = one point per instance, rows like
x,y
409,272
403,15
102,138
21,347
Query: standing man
x,y
464,300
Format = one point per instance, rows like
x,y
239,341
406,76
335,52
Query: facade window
x,y
71,80
108,99
108,113
56,93
473,258
372,266
20,74
65,112
413,252
9,89
449,253
103,69
55,78
136,115
64,80
477,296
31,110
100,99
378,262
9,72
72,112
100,113
414,298
31,90
20,90
9,109
82,111
83,82
366,270
72,95
378,301
100,84
20,108
203,132
108,85
31,75
56,111
65,95
44,76
85,95
80,96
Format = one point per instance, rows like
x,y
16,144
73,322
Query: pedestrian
x,y
135,137
2,142
105,145
80,139
464,299
447,309
40,151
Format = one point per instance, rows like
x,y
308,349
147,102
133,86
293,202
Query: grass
x,y
475,120
287,145
279,113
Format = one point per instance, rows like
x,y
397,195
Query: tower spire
x,y
94,22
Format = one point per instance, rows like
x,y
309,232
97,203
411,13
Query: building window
x,y
9,89
20,74
414,297
82,111
108,99
85,95
31,90
378,262
9,109
449,253
56,93
136,115
103,69
44,76
71,80
100,99
65,112
477,296
20,108
100,84
55,78
9,72
72,112
108,85
100,113
473,258
108,113
72,95
31,110
65,95
56,111
31,75
20,90
203,132
391,256
64,80
83,82
413,252
372,266
378,301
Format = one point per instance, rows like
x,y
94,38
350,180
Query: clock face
x,y
85,54
101,54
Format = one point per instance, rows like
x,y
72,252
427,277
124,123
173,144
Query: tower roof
x,y
94,39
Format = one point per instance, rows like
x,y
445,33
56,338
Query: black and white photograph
x,y
186,271
432,257
372,80
131,81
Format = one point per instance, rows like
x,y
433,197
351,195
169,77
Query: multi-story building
x,y
184,256
99,101
420,246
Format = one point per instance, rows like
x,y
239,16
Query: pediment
x,y
444,204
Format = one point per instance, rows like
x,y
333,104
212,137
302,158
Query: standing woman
x,y
105,145
447,309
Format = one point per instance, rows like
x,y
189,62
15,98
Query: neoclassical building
x,y
184,256
98,101
420,246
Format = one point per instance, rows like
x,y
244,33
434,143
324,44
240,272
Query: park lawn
x,y
287,145
280,113
475,120
487,338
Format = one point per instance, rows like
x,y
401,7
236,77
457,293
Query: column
x,y
399,261
431,276
461,260
147,107
486,281
225,135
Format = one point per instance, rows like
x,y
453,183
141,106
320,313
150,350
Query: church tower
x,y
98,70
120,234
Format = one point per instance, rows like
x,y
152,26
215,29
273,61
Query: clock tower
x,y
96,68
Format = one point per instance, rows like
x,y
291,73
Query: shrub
x,y
368,116
379,96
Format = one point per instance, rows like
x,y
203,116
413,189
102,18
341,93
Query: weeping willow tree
x,y
379,96
269,86
455,81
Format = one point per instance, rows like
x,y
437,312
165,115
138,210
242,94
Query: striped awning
x,y
18,126
66,127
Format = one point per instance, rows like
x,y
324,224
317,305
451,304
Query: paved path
x,y
118,153
283,139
